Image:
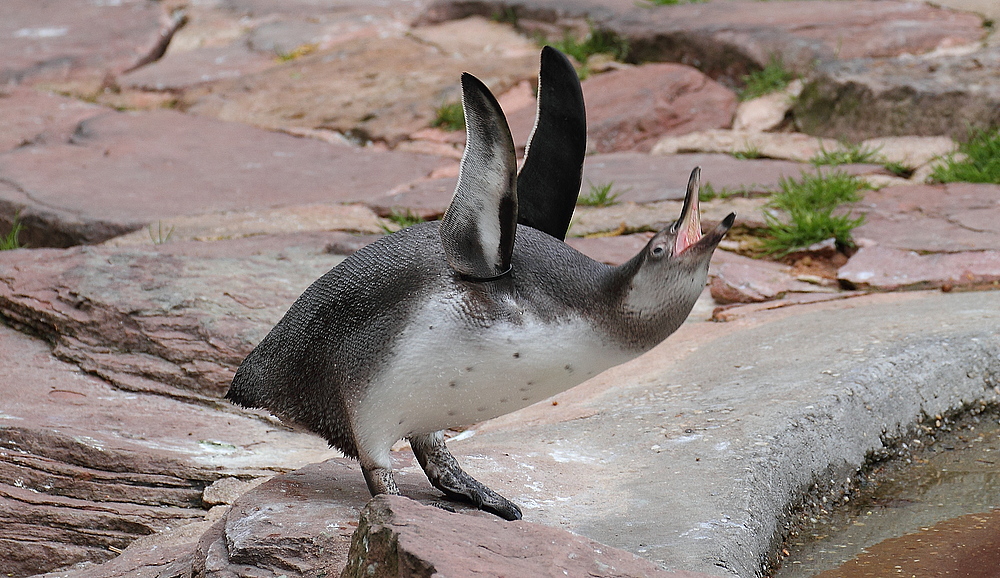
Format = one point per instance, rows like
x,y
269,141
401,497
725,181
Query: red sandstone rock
x,y
87,467
182,69
888,269
175,318
645,178
723,37
45,41
933,218
727,40
399,537
863,98
610,250
299,523
33,117
631,109
737,279
372,89
123,170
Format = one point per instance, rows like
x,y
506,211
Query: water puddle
x,y
936,516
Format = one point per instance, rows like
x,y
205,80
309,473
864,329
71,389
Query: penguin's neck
x,y
649,301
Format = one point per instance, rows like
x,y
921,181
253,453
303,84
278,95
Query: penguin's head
x,y
672,268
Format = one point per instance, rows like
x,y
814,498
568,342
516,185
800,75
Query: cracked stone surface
x,y
119,172
907,95
952,217
398,533
727,40
81,40
88,467
159,319
365,88
113,356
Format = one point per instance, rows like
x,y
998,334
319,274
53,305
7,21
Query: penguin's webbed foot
x,y
446,475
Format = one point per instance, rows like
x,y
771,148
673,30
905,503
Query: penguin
x,y
452,322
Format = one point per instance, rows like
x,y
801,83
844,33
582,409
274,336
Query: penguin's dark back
x,y
327,347
321,353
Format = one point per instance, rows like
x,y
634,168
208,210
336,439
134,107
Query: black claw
x,y
444,506
508,511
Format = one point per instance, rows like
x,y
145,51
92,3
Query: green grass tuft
x,y
708,193
596,42
450,117
898,169
402,219
10,240
751,152
599,196
160,236
771,78
981,163
810,203
850,153
506,15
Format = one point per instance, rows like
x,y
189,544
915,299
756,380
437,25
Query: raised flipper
x,y
477,230
549,182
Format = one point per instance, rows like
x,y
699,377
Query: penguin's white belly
x,y
445,372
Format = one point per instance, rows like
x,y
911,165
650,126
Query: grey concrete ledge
x,y
694,454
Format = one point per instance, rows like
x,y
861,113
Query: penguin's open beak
x,y
688,226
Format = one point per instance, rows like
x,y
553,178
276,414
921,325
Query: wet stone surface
x,y
940,501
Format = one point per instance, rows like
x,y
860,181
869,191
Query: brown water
x,y
938,515
967,547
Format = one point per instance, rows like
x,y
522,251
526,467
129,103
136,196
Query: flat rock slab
x,y
801,32
611,250
769,111
35,116
355,218
380,89
941,95
175,318
692,455
780,145
399,537
727,40
737,279
635,177
887,269
933,218
227,40
179,70
623,218
299,523
165,554
121,171
54,41
87,466
632,108
647,178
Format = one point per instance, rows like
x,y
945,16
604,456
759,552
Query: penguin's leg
x,y
378,474
380,481
445,474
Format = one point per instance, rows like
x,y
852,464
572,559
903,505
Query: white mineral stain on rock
x,y
568,456
45,32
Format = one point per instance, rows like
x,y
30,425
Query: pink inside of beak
x,y
689,232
